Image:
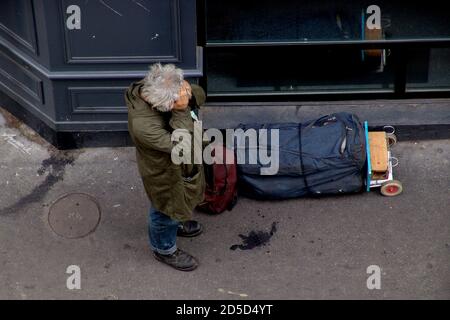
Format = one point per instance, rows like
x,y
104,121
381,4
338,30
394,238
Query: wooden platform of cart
x,y
378,152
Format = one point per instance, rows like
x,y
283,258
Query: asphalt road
x,y
314,248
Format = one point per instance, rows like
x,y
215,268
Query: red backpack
x,y
221,185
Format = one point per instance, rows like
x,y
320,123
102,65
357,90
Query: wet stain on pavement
x,y
56,167
57,163
255,239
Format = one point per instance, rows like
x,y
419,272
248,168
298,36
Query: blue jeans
x,y
162,231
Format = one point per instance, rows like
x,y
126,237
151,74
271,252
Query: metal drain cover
x,y
75,215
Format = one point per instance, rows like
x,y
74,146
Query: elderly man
x,y
157,105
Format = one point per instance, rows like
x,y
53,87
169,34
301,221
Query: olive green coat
x,y
173,189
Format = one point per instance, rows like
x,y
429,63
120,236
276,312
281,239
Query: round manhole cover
x,y
75,215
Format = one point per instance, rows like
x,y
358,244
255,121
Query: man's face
x,y
185,95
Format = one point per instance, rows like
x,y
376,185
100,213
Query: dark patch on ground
x,y
57,163
56,167
255,239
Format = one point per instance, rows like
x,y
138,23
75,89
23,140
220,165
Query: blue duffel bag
x,y
323,156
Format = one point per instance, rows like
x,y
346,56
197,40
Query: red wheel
x,y
391,188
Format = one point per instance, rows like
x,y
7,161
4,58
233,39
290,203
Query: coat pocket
x,y
194,188
192,183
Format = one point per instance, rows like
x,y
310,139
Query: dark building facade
x,y
66,63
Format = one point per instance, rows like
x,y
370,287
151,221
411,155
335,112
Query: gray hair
x,y
162,86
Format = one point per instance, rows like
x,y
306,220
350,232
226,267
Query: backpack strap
x,y
300,156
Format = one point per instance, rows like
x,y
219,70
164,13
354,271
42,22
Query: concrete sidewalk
x,y
314,249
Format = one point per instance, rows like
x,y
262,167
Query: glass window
x,y
428,69
290,20
298,70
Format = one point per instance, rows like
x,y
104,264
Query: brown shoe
x,y
179,260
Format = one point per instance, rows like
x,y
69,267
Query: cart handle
x,y
389,129
369,166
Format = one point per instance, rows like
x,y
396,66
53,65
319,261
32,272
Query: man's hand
x,y
185,95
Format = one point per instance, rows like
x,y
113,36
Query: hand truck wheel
x,y
391,188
